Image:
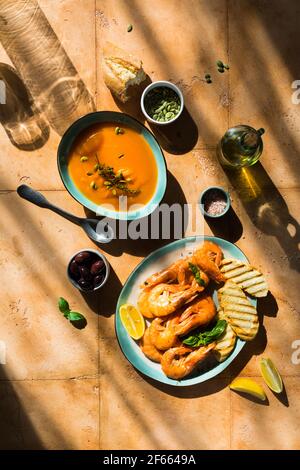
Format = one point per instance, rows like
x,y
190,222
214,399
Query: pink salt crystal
x,y
214,203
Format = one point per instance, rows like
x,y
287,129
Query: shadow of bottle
x,y
23,123
43,64
267,208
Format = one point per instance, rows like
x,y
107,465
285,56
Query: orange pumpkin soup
x,y
107,162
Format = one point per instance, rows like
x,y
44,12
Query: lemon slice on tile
x,y
132,320
271,375
245,385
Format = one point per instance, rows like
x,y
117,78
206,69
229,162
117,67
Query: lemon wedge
x,y
271,375
245,385
132,320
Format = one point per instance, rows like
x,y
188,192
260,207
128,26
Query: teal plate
x,y
120,119
154,262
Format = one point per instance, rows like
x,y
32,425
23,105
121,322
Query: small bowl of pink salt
x,y
214,202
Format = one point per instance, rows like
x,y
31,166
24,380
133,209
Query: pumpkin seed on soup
x,y
93,185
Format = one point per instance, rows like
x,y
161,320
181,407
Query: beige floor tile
x,y
261,77
35,248
273,426
136,413
49,414
38,167
179,47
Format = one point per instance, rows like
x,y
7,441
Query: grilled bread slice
x,y
224,345
238,311
245,276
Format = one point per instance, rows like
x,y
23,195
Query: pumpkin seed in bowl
x,y
162,103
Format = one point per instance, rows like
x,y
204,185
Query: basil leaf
x,y
191,341
75,316
197,274
203,339
217,330
63,306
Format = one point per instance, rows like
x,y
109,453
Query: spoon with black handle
x,y
94,228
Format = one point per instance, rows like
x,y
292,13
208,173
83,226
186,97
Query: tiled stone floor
x,y
68,388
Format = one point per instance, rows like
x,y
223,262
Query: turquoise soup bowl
x,y
119,119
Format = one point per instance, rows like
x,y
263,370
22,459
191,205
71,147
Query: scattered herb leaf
x,y
75,316
63,305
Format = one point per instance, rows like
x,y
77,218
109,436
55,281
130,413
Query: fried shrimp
x,y
162,332
186,277
178,272
208,257
143,304
199,313
180,362
168,274
149,349
165,299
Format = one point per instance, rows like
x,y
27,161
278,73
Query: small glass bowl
x,y
100,256
205,194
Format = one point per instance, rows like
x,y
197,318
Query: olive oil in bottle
x,y
241,146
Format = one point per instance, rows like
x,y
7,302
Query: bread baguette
x,y
121,70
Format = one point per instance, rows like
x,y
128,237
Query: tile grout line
x,y
95,376
98,323
228,125
80,377
228,61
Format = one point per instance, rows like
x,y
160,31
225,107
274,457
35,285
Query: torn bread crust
x,y
121,71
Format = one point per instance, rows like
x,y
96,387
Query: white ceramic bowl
x,y
161,84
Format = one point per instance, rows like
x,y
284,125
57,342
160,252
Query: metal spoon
x,y
94,228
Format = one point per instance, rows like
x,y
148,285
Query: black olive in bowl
x,y
88,270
